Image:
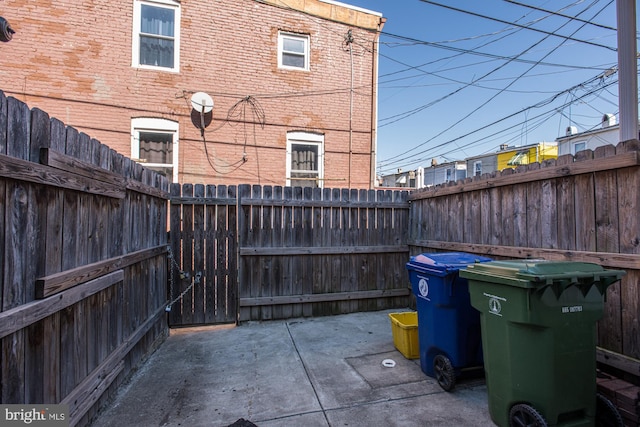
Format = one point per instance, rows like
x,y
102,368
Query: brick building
x,y
293,83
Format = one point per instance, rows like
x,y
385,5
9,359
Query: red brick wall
x,y
72,59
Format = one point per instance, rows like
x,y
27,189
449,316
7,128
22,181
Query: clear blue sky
x,y
454,85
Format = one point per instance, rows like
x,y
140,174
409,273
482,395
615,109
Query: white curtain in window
x,y
157,28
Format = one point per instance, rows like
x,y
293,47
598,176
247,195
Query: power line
x,y
518,25
409,113
538,105
540,116
460,53
514,80
528,91
573,18
473,52
415,111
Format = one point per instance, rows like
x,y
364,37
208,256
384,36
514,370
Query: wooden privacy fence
x,y
302,252
82,263
582,209
316,252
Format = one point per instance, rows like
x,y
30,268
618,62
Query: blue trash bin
x,y
448,326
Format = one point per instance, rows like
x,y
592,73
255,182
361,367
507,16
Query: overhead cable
x,y
510,83
485,54
573,18
482,77
537,105
518,25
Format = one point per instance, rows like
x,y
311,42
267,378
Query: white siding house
x,y
574,141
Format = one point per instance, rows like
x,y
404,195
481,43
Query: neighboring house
x,y
425,177
507,157
478,165
607,134
409,179
445,172
293,84
511,157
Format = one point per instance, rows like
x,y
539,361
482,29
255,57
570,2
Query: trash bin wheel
x,y
607,414
445,374
522,415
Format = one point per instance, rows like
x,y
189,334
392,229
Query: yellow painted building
x,y
513,157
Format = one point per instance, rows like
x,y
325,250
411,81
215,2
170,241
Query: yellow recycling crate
x,y
404,327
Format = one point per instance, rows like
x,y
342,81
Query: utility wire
x,y
518,25
473,52
573,18
528,91
406,114
415,111
517,125
538,105
384,85
463,53
497,94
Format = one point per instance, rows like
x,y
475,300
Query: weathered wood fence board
x,y
86,223
582,209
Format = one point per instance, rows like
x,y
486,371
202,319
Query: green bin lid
x,y
536,272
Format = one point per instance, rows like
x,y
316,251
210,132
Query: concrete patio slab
x,y
321,372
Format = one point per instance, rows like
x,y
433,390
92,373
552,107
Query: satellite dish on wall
x,y
201,102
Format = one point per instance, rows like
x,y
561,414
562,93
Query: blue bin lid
x,y
443,263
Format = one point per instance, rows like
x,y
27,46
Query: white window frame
x,y
302,37
477,168
306,138
135,49
448,174
146,124
575,145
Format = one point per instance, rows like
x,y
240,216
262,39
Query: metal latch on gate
x,y
184,275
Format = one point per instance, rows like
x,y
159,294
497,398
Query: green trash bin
x,y
538,325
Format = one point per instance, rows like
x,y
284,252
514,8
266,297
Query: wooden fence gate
x,y
203,280
257,253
